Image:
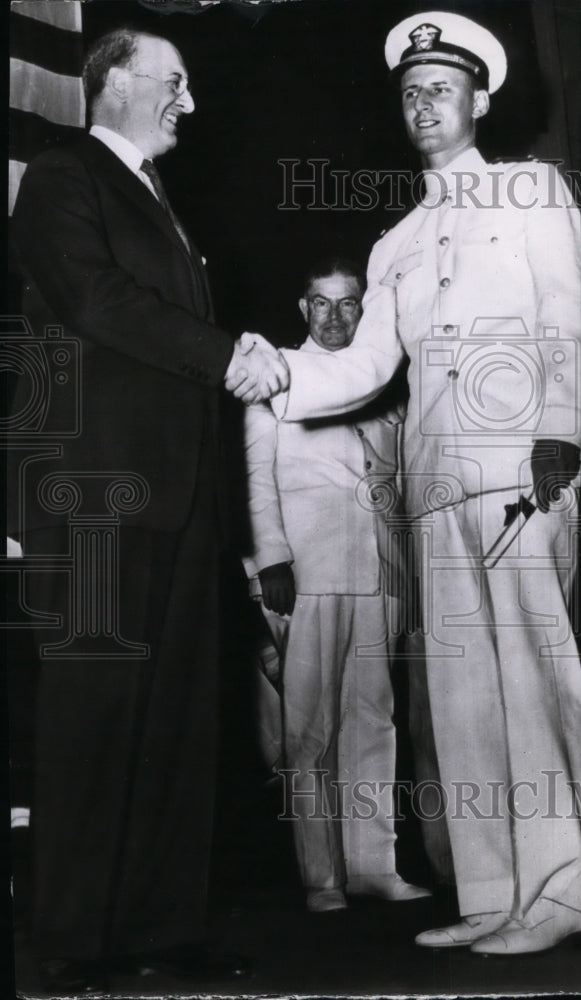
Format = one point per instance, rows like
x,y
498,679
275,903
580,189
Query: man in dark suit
x,y
125,747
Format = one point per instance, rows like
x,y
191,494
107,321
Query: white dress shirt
x,y
127,152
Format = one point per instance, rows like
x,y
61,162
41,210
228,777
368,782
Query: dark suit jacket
x,y
100,256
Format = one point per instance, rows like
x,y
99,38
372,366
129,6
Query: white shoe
x,y
469,929
543,926
325,900
390,887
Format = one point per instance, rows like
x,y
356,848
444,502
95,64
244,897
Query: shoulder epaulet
x,y
516,159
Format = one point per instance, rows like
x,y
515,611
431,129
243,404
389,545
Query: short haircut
x,y
116,48
329,266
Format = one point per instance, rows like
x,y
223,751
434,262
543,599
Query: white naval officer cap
x,y
442,37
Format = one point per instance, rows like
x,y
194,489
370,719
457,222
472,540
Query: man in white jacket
x,y
322,495
480,285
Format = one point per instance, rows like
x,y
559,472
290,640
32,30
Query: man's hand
x,y
554,465
257,370
278,588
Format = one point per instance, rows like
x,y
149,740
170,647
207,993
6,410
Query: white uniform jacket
x,y
480,285
314,489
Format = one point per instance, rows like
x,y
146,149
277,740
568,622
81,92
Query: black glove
x,y
554,464
278,588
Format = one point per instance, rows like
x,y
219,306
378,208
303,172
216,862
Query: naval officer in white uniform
x,y
480,285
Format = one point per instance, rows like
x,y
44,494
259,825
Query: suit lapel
x,y
98,156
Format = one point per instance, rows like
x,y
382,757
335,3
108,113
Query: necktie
x,y
197,273
149,169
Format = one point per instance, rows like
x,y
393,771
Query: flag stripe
x,y
47,104
55,96
60,13
45,45
19,816
15,172
30,134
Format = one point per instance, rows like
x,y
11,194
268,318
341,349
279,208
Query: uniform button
x,y
368,465
494,239
444,240
453,374
398,275
449,328
359,431
444,282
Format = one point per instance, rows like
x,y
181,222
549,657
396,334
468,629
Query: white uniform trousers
x,y
504,682
339,737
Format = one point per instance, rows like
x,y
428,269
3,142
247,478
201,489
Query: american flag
x,y
47,104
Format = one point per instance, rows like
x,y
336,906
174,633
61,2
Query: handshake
x,y
257,370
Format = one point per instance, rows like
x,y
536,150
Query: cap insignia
x,y
425,37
